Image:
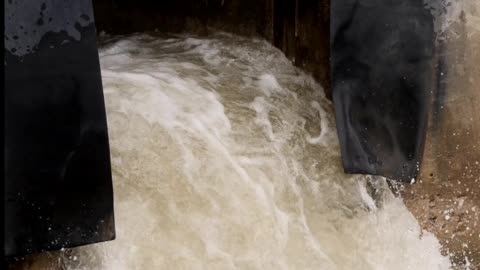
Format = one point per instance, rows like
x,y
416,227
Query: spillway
x,y
225,156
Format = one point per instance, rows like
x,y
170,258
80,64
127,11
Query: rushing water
x,y
225,156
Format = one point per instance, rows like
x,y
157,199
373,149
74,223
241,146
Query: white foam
x,y
214,169
269,84
324,127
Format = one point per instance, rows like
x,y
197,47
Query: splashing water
x,y
225,156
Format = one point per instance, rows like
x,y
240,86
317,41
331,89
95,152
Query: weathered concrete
x,y
446,199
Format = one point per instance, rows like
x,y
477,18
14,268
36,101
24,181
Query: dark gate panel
x,y
382,54
58,185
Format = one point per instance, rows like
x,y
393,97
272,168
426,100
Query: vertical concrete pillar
x,y
446,199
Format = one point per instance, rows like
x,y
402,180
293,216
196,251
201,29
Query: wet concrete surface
x,y
446,197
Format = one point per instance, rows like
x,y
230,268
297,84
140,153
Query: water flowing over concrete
x,y
225,156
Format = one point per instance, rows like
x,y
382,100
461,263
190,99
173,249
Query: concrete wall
x,y
446,199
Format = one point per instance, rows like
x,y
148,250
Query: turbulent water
x,y
225,156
